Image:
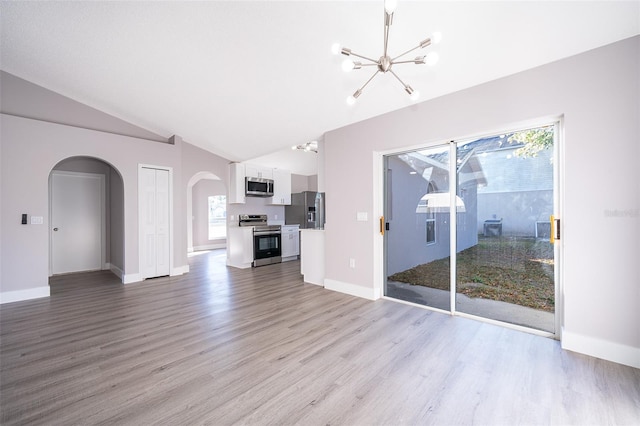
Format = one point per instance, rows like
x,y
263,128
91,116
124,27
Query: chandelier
x,y
307,147
386,62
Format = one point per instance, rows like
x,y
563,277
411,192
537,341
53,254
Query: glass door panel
x,y
505,261
417,236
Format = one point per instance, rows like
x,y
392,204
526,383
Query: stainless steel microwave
x,y
258,187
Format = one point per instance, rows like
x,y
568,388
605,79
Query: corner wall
x,y
30,147
597,94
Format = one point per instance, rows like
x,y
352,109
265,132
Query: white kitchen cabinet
x,y
281,188
290,242
240,246
236,183
252,170
312,256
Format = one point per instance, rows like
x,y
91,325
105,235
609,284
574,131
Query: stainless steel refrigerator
x,y
306,210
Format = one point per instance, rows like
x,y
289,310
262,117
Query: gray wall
x,y
30,148
519,211
406,238
300,183
18,97
255,205
596,94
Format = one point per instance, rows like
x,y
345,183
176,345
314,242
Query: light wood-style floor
x,y
225,346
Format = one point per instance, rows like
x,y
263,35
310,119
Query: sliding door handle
x,y
381,225
555,229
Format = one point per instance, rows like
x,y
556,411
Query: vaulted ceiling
x,y
250,79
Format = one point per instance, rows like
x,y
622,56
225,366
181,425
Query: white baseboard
x,y
352,289
238,264
179,270
134,278
131,278
20,295
117,271
604,349
209,247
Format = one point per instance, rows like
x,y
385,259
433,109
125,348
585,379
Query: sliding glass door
x,y
418,229
503,198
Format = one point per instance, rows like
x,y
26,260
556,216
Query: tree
x,y
534,140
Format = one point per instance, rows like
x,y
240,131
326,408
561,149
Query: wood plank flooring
x,y
226,346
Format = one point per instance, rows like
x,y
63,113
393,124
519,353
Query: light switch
x,y
362,216
37,220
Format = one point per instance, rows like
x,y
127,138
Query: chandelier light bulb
x,y
351,100
432,58
336,49
348,65
415,95
436,37
390,6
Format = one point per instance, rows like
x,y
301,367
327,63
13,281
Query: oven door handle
x,y
266,233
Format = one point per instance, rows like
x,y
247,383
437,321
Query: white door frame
x,y
140,224
103,206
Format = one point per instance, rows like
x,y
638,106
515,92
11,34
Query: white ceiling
x,y
250,79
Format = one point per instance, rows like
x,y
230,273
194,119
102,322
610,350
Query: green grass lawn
x,y
508,269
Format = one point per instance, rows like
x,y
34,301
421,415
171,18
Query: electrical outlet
x,y
352,263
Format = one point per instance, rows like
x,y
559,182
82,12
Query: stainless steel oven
x,y
267,239
267,242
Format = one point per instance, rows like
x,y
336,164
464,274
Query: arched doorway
x,y
204,192
86,207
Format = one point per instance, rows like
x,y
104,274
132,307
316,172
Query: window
x,y
217,217
431,231
431,217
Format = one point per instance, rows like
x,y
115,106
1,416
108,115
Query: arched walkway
x,y
87,228
199,176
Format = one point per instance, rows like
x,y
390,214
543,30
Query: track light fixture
x,y
386,62
307,147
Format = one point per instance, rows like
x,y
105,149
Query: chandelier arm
x,y
396,76
408,51
424,43
364,57
368,81
413,61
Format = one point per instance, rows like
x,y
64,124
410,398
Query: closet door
x,y
154,222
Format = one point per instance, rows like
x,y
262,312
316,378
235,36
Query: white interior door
x,y
155,246
77,222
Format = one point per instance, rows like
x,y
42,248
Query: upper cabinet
x,y
236,183
251,170
281,183
281,187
